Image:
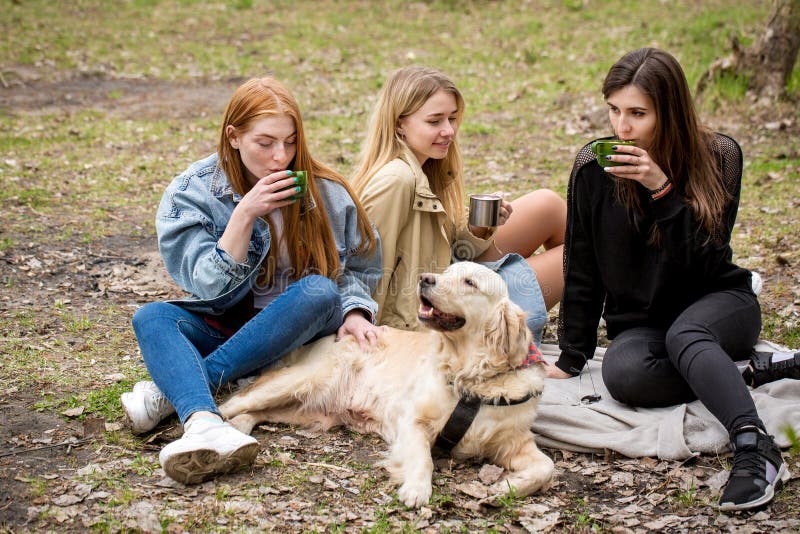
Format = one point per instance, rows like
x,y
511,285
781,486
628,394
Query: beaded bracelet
x,y
655,194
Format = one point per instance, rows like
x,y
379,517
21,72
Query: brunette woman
x,y
648,247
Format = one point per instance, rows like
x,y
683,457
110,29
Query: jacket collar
x,y
422,185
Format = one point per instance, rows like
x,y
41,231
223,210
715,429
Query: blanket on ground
x,y
671,433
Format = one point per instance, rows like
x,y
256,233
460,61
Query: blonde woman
x,y
410,181
268,270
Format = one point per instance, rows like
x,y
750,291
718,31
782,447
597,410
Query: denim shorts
x,y
523,289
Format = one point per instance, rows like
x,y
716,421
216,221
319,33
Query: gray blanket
x,y
672,433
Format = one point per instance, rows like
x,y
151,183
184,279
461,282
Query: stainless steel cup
x,y
484,210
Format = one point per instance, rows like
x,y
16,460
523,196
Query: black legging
x,y
694,359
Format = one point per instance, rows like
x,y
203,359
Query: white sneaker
x,y
207,448
145,406
756,282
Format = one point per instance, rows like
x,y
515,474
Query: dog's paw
x,y
503,487
414,494
244,423
520,484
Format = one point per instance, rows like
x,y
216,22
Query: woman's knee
x,y
628,366
322,291
728,320
544,204
543,197
145,315
621,378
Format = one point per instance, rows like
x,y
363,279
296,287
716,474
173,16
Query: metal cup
x,y
484,210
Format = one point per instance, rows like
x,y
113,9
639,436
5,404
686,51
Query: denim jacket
x,y
193,214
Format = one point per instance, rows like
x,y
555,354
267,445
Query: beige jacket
x,y
416,237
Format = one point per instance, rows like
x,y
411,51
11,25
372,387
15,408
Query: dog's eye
x,y
470,282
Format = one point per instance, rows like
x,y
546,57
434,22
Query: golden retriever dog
x,y
406,388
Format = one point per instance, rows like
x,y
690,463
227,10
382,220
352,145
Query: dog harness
x,y
468,405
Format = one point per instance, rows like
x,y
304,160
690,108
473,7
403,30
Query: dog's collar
x,y
534,356
468,406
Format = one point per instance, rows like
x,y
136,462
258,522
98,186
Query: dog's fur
x,y
406,388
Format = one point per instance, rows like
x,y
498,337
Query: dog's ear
x,y
507,336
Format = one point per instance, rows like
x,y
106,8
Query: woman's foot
x,y
208,447
145,406
758,470
771,366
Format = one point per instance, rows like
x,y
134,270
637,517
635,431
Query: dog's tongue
x,y
425,311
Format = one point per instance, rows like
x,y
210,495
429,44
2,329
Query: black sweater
x,y
610,268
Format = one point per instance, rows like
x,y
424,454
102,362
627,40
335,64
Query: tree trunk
x,y
768,63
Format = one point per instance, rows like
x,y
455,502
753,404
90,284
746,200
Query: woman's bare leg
x,y
538,219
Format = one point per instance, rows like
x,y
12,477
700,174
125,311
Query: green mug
x,y
302,183
603,148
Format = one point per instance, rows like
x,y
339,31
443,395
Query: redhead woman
x,y
273,258
411,183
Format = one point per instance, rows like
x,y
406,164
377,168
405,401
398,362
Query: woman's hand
x,y
264,197
641,167
505,209
266,194
361,328
555,372
503,215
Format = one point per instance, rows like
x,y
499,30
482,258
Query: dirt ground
x,y
60,473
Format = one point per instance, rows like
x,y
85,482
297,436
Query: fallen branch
x,y
51,446
329,466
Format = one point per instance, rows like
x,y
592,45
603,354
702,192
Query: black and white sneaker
x,y
770,366
758,471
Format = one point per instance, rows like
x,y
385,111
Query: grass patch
x,y
793,83
103,402
723,89
779,328
581,516
686,497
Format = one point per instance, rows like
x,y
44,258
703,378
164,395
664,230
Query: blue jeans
x,y
523,290
189,360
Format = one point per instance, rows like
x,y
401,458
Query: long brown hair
x,y
681,146
307,233
407,90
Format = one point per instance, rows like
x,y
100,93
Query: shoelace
x,y
786,364
159,402
748,462
162,404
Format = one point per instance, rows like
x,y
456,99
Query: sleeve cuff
x,y
571,364
666,206
229,265
368,314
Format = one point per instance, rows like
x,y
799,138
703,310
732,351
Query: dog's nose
x,y
427,279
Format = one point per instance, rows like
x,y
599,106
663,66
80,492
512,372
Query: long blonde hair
x,y
307,233
407,90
